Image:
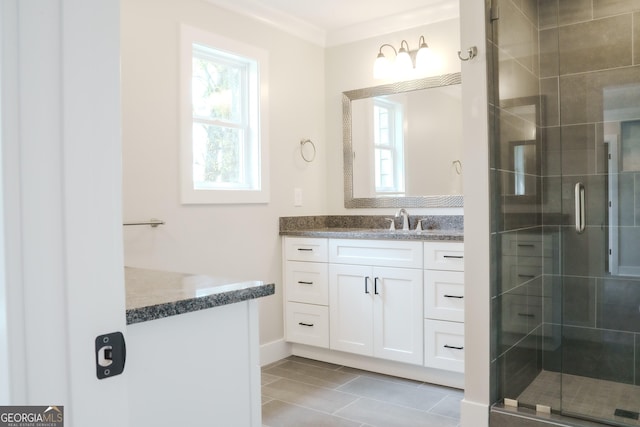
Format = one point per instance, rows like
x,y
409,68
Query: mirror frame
x,y
443,201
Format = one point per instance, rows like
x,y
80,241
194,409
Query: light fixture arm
x,y
395,52
409,57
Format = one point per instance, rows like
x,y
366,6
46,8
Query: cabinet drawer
x,y
307,282
305,249
444,256
308,324
385,253
444,345
444,295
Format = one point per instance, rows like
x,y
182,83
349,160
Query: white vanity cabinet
x,y
388,300
444,305
306,291
375,298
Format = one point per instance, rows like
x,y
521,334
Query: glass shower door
x,y
590,63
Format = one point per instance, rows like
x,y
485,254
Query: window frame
x,y
395,145
258,129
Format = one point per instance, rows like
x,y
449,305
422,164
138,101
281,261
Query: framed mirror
x,y
403,144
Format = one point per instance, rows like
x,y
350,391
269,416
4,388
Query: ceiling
x,y
335,22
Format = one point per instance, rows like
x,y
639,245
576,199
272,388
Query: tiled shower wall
x,y
544,273
590,81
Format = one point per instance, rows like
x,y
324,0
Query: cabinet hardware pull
x,y
526,245
530,276
526,315
453,256
366,285
453,347
453,296
375,286
305,283
305,249
305,324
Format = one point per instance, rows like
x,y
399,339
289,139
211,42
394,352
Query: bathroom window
x,y
224,139
388,147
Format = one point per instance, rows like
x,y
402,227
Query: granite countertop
x,y
154,294
376,227
377,234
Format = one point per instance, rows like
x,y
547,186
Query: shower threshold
x,y
614,403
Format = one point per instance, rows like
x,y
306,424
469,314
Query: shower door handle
x,y
579,205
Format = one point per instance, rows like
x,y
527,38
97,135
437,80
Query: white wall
x,y
350,66
475,406
239,241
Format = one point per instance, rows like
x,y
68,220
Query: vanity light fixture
x,y
405,59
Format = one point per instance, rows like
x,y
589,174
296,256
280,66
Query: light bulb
x,y
403,62
381,67
423,57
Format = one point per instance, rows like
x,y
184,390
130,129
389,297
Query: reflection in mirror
x,y
402,144
621,146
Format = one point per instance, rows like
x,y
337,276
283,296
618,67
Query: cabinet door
x,y
398,314
351,308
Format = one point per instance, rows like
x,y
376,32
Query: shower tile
x,y
595,45
573,11
636,38
584,254
547,13
549,65
582,99
618,304
578,149
550,107
579,301
603,8
515,80
551,151
521,366
597,353
530,9
551,199
552,348
517,36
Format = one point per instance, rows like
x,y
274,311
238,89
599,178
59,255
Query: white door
x,y
61,196
398,314
351,308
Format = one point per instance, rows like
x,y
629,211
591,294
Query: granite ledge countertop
x,y
154,294
437,228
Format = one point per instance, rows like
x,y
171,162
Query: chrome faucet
x,y
405,218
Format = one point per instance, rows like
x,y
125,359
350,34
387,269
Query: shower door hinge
x,y
494,13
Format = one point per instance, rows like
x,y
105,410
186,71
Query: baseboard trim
x,y
273,351
415,372
473,414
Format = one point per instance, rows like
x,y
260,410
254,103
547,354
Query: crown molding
x,y
435,12
275,18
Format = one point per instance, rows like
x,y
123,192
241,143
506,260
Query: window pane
x,y
217,157
217,90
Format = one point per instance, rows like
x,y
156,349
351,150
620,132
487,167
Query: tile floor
x,y
589,397
298,392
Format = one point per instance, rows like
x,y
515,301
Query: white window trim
x,y
188,195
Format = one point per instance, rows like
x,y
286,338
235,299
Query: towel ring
x,y
458,165
304,142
